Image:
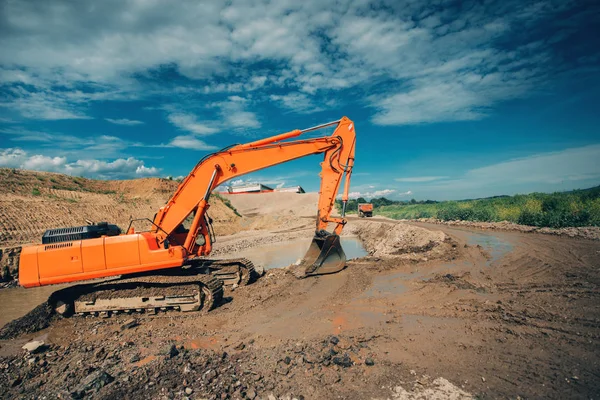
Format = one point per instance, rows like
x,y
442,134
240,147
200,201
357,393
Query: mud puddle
x,y
18,301
279,255
493,244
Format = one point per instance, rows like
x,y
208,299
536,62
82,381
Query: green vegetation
x,y
35,191
227,203
555,210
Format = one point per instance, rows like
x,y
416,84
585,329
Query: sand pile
x,y
384,239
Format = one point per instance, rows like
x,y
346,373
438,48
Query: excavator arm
x,y
193,193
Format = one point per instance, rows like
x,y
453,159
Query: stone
x,y
135,358
171,351
96,380
189,391
251,394
334,340
35,346
240,346
130,323
343,361
369,362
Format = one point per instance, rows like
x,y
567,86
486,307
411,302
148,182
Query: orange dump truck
x,y
365,210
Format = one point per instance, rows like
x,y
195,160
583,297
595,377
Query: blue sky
x,y
450,99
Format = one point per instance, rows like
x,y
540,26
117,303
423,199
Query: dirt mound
x,y
35,320
586,232
385,239
274,203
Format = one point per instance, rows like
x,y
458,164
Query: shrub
x,y
35,191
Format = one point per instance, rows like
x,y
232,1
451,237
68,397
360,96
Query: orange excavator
x,y
167,267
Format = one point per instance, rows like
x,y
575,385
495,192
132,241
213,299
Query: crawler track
x,y
236,271
182,290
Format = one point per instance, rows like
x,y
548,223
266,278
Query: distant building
x,y
250,188
293,189
260,188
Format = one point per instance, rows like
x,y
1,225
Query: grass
x,y
35,191
227,203
554,210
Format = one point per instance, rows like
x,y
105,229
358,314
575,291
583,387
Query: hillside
x,y
31,202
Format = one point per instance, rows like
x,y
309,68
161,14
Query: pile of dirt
x,y
275,203
35,320
384,239
586,232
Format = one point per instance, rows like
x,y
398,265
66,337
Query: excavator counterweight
x,y
168,263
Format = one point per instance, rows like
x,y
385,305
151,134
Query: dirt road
x,y
495,315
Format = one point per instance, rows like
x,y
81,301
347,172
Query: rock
x,y
16,382
369,362
96,380
259,269
42,363
130,323
271,397
251,394
482,379
343,361
171,351
35,346
210,375
135,358
240,346
334,340
287,360
189,391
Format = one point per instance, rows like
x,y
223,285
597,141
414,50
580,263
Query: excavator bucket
x,y
324,256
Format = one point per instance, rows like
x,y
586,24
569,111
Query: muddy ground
x,y
483,314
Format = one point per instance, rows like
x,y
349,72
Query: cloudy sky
x,y
450,99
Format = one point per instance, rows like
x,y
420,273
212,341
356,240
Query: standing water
x,y
279,255
18,301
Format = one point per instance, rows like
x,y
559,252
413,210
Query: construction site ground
x,y
433,311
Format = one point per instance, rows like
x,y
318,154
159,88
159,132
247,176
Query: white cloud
x,y
573,164
189,122
420,179
124,121
190,142
234,113
42,105
557,170
421,63
373,194
116,169
297,102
